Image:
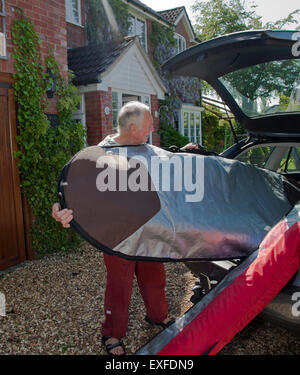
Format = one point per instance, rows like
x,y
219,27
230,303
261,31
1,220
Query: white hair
x,y
131,113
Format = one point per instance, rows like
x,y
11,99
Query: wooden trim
x,y
16,176
25,224
17,209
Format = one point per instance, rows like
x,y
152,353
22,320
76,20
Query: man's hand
x,y
190,146
62,216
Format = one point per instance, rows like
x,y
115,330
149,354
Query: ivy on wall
x,y
42,149
98,24
163,44
180,89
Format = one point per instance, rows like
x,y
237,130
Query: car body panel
x,y
276,126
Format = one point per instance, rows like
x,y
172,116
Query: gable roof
x,y
171,14
90,61
174,15
104,64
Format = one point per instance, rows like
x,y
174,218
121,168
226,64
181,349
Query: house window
x,y
73,11
190,123
180,43
2,29
79,115
138,27
115,109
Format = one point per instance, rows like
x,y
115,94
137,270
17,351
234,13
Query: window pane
x,y
147,101
192,127
186,124
115,109
131,29
198,122
140,31
264,89
75,11
197,140
296,156
177,43
291,160
257,156
2,25
2,31
180,43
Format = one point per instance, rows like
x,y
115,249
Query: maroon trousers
x,y
151,280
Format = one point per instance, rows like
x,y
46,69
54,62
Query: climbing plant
x,y
42,149
99,23
180,89
163,44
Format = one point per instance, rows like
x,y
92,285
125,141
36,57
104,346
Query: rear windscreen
x,y
268,88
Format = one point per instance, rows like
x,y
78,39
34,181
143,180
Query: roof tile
x,y
90,61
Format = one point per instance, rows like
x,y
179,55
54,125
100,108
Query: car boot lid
x,y
256,73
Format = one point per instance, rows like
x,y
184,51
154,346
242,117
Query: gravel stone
x,y
54,305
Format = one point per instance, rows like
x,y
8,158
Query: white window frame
x,y
181,38
80,114
69,12
135,17
196,111
3,52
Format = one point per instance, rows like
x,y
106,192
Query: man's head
x,y
135,122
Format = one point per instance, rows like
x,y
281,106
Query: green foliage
x,y
262,79
283,22
42,150
105,24
180,89
213,132
219,17
163,44
169,136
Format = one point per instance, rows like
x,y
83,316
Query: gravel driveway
x,y
55,306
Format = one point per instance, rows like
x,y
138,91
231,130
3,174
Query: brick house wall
x,y
49,19
98,123
181,30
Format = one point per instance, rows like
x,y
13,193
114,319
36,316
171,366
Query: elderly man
x,y
135,123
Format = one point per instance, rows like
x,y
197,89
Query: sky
x,y
270,10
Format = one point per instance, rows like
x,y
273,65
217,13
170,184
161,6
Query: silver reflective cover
x,y
210,207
